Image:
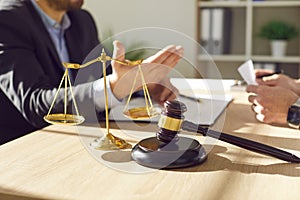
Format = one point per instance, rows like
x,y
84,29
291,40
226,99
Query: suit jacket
x,y
30,68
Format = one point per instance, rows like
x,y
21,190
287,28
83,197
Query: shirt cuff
x,y
99,96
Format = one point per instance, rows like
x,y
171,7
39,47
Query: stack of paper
x,y
247,72
211,94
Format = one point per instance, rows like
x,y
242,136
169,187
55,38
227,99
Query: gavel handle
x,y
241,142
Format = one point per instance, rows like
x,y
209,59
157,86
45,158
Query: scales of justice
x,y
109,141
186,151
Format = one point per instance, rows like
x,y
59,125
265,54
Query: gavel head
x,y
167,150
170,120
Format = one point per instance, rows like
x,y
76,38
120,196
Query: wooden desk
x,y
54,164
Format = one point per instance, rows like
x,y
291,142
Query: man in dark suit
x,y
36,36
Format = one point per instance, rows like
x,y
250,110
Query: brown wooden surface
x,y
53,163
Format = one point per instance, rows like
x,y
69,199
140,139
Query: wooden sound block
x,y
180,152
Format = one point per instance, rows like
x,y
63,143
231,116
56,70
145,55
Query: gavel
x,y
168,150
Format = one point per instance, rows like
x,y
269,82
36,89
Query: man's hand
x,y
155,70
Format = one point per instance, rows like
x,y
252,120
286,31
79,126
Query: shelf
x,y
242,58
212,4
286,59
246,19
276,3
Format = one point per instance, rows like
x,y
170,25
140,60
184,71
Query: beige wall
x,y
176,17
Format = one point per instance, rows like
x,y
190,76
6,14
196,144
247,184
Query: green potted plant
x,y
278,33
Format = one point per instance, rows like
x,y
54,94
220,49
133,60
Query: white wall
x,y
176,17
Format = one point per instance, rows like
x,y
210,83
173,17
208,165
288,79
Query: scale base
x,y
110,142
179,153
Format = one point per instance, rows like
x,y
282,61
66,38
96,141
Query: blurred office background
x,y
234,28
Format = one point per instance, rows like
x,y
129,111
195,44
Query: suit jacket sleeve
x,y
30,71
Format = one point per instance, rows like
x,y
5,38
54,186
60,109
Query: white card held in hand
x,y
247,72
